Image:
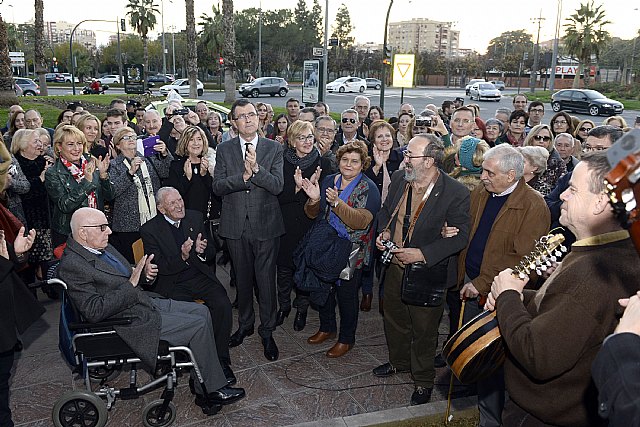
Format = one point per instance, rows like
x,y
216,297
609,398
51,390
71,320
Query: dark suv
x,y
265,86
159,79
585,101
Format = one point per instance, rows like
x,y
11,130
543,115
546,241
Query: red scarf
x,y
78,175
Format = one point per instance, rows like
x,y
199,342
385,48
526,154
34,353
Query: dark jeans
x,y
285,285
347,296
6,362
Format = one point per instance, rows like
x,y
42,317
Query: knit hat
x,y
466,152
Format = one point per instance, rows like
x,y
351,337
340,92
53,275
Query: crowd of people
x,y
300,204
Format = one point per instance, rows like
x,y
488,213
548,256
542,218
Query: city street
x,y
418,97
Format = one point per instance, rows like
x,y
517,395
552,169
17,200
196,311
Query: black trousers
x,y
215,298
6,362
347,300
255,258
285,286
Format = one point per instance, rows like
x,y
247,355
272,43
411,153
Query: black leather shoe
x,y
439,362
226,395
421,395
270,349
207,407
282,314
228,374
239,336
386,370
300,321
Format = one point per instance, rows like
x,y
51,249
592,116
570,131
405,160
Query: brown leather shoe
x,y
320,337
339,349
365,304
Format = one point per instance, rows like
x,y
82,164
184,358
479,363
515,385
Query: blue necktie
x,y
114,262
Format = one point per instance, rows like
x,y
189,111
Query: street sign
x,y
17,59
318,51
403,68
333,41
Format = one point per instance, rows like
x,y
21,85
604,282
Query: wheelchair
x,y
98,354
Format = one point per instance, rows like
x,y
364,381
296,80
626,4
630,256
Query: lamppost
x,y
383,75
554,57
260,40
173,48
164,49
536,53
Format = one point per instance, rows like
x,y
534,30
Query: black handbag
x,y
424,286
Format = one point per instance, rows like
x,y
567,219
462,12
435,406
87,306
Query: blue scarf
x,y
344,196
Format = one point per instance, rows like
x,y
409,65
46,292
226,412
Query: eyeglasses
x,y
303,138
129,138
346,120
560,122
542,138
588,147
536,110
103,227
584,129
246,116
408,155
326,130
463,121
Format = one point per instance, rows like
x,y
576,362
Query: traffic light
x,y
221,61
123,25
387,56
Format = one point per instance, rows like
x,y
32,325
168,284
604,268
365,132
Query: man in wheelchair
x,y
102,285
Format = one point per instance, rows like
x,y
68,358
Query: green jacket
x,y
67,195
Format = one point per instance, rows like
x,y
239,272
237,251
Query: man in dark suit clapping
x,y
248,177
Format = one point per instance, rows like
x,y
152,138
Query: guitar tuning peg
x,y
543,268
522,276
563,248
532,266
548,263
553,258
558,254
538,272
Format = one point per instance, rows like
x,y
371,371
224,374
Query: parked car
x,y
182,87
67,78
110,79
159,79
28,86
585,100
471,83
499,84
265,86
486,91
53,77
191,104
347,84
373,83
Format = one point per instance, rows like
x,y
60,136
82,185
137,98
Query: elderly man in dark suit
x,y
103,285
421,200
248,177
178,240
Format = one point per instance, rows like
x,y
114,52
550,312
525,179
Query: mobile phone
x,y
423,121
181,112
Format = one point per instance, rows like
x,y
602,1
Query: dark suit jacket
x,y
100,291
256,199
158,240
448,201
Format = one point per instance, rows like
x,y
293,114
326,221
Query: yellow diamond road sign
x,y
403,68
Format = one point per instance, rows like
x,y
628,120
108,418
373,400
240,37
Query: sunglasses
x,y
542,138
584,129
346,120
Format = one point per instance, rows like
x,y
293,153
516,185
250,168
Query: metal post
x,y
164,49
325,55
554,57
173,49
383,75
119,52
260,40
536,50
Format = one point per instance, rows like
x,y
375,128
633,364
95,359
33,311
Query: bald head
x,y
86,228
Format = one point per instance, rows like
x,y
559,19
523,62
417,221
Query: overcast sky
x,y
477,24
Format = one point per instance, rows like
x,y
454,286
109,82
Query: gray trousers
x,y
189,324
255,258
491,390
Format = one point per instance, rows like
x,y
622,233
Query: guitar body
x,y
476,350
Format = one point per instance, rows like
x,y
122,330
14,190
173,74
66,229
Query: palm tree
x,y
229,51
38,47
585,37
211,34
7,91
192,50
142,17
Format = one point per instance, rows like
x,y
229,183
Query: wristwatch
x,y
335,205
256,169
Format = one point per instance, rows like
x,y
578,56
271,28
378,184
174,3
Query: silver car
x,y
265,86
28,86
486,91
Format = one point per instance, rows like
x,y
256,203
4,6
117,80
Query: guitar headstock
x,y
547,249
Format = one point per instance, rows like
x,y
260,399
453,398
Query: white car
x,y
182,87
485,90
67,78
110,79
347,84
471,83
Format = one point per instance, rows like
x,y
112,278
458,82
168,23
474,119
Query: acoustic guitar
x,y
477,350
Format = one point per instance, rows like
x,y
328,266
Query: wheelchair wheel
x,y
79,408
151,418
100,374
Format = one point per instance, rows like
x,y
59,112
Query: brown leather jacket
x,y
523,219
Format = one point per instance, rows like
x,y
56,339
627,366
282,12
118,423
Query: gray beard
x,y
410,174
